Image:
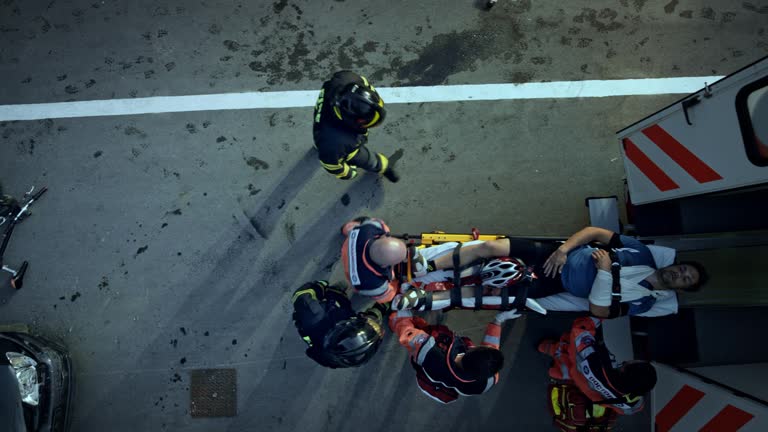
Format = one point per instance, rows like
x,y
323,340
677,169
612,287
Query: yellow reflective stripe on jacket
x,y
555,396
298,294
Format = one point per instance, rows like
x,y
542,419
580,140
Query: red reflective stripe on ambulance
x,y
677,407
730,419
694,166
647,167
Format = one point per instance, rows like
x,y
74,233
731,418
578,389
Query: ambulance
x,y
697,181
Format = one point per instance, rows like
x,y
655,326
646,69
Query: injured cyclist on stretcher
x,y
575,275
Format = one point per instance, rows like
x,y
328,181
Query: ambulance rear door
x,y
713,140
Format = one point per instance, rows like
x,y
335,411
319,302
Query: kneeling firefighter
x,y
336,336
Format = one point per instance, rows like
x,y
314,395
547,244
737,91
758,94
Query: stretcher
x,y
563,302
462,289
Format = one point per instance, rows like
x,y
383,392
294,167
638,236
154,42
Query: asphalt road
x,y
172,242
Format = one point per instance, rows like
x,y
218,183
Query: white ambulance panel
x,y
682,402
713,140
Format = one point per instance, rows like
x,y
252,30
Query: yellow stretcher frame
x,y
439,237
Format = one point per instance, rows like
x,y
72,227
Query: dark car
x,y
35,384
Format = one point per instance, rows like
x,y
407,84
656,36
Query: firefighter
x,y
336,336
582,359
449,365
347,107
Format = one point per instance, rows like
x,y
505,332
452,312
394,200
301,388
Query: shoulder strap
x,y
615,308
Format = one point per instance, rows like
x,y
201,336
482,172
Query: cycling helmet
x,y
352,342
359,106
501,272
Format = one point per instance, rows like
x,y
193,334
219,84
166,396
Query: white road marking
x,y
391,95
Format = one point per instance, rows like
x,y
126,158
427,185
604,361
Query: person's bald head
x,y
387,251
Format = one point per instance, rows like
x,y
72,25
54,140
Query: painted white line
x,y
392,95
547,90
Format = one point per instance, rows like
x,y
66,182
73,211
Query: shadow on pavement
x,y
242,287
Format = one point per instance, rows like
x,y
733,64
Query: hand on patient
x,y
602,259
554,264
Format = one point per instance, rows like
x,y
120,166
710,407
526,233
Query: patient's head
x,y
686,276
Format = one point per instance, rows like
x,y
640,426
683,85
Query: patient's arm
x,y
599,311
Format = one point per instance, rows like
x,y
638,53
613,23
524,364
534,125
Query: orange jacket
x,y
582,357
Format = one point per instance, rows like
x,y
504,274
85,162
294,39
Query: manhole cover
x,y
213,393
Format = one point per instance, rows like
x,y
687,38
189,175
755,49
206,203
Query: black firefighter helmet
x,y
359,106
352,342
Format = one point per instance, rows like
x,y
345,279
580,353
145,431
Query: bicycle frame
x,y
17,276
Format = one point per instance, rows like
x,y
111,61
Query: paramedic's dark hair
x,y
482,362
638,378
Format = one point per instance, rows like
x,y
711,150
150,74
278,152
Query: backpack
x,y
573,411
443,339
